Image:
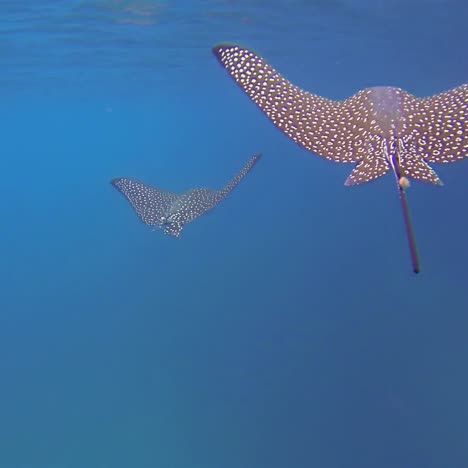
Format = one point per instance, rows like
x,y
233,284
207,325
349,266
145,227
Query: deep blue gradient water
x,y
283,330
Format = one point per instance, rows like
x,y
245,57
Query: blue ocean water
x,y
285,329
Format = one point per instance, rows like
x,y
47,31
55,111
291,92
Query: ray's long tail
x,y
409,228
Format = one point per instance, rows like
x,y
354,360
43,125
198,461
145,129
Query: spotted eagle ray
x,y
172,211
379,129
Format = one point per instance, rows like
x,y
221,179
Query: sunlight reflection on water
x,y
66,42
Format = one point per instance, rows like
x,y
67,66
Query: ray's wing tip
x,y
254,160
217,49
117,182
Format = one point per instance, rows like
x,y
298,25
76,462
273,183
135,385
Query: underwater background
x,y
283,330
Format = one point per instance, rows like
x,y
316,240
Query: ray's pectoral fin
x,y
443,127
312,121
150,204
238,178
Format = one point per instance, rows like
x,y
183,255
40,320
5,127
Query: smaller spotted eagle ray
x,y
379,129
172,211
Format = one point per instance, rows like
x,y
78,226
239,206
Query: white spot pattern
x,y
367,128
443,127
171,211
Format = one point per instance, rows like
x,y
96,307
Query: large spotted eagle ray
x,y
379,129
172,211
